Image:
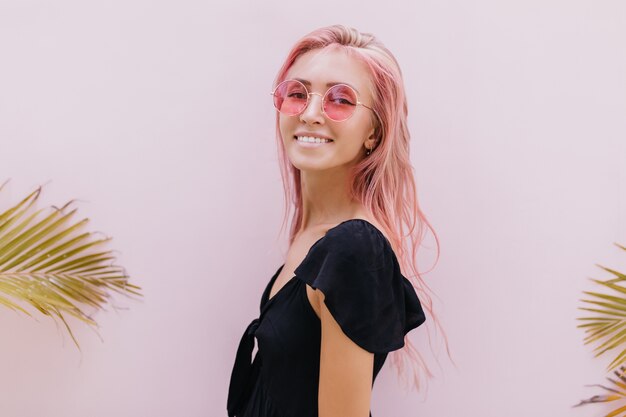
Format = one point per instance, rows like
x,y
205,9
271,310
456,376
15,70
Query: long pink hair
x,y
383,181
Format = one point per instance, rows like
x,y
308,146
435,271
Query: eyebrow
x,y
330,84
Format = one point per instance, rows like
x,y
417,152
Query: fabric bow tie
x,y
244,373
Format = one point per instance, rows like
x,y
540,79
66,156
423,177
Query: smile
x,y
311,141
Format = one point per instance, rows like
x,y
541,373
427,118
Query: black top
x,y
355,267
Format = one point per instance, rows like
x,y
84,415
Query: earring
x,y
369,151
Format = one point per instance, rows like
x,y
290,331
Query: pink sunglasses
x,y
339,102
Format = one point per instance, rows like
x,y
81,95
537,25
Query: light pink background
x,y
156,116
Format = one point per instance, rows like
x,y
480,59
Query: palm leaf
x,y
607,329
616,391
47,263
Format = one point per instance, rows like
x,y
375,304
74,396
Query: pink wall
x,y
517,115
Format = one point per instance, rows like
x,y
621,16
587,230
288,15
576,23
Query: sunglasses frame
x,y
358,103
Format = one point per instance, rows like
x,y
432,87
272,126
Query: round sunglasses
x,y
339,102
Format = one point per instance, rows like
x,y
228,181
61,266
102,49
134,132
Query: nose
x,y
313,111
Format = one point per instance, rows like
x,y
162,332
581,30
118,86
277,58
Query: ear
x,y
370,143
371,139
372,134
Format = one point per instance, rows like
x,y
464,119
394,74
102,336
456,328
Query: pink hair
x,y
384,180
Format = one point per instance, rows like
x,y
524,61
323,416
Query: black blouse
x,y
355,267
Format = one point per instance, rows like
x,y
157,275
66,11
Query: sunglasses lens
x,y
290,97
340,102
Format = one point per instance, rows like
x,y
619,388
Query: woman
x,y
339,304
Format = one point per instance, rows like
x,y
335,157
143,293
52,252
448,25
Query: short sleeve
x,y
358,272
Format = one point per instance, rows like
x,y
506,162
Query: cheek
x,y
283,125
357,129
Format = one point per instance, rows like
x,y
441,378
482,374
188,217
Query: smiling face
x,y
316,69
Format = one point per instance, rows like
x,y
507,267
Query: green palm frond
x,y
607,329
617,391
48,263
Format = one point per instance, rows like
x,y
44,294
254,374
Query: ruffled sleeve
x,y
358,272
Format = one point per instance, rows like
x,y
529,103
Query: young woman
x,y
339,304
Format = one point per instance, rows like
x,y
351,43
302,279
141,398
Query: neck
x,y
325,198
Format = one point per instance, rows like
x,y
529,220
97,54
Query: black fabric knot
x,y
244,373
252,327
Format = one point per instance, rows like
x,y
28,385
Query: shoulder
x,y
359,281
357,225
355,240
353,250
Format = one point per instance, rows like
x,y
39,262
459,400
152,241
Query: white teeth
x,y
312,139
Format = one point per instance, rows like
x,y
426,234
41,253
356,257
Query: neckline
x,y
267,298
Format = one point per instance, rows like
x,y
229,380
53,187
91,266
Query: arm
x,y
346,369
